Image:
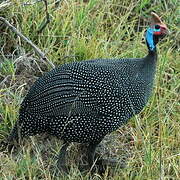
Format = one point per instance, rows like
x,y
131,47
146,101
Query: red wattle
x,y
157,33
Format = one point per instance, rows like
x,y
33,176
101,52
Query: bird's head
x,y
156,31
158,27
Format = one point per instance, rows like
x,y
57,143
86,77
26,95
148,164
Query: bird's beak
x,y
166,32
164,29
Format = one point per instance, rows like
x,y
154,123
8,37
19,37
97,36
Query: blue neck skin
x,y
150,39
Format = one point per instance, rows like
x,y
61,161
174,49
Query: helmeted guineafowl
x,y
84,101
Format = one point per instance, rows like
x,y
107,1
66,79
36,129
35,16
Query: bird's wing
x,y
60,93
75,89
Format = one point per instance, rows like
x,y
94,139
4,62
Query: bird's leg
x,y
101,164
61,164
91,153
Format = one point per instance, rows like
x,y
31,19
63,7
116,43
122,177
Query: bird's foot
x,y
5,146
103,164
62,168
108,162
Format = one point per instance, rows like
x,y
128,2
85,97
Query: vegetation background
x,y
149,146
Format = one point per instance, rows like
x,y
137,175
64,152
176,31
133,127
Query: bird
x,y
84,101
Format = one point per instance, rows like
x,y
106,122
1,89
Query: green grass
x,y
79,31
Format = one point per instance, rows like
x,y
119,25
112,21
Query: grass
x,y
149,144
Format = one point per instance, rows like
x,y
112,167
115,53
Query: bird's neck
x,y
149,66
151,44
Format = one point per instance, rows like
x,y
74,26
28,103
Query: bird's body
x,y
84,101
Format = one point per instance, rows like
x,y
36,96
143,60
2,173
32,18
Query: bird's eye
x,y
157,26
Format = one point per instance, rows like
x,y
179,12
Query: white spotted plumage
x,y
82,102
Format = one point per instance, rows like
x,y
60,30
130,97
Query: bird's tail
x,y
14,134
14,137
